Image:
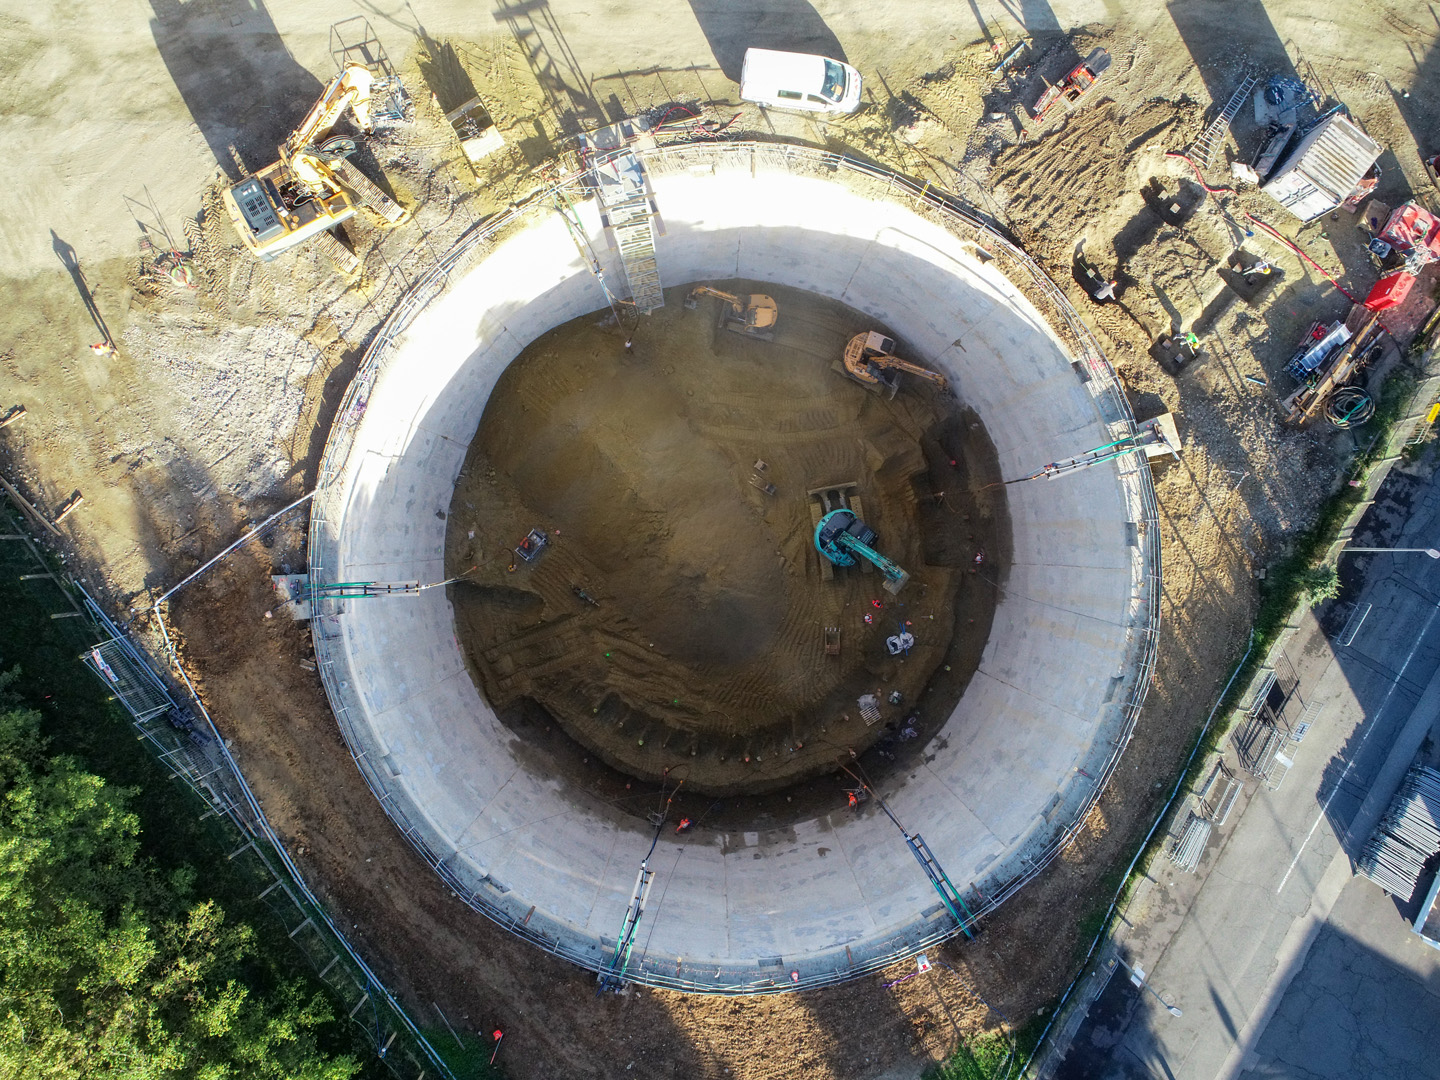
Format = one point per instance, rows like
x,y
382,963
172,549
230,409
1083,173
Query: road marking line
x,y
1325,806
1319,817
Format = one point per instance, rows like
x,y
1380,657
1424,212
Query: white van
x,y
786,80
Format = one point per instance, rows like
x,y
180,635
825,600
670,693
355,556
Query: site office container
x,y
786,80
1323,169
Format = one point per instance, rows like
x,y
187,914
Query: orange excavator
x,y
753,314
871,361
311,188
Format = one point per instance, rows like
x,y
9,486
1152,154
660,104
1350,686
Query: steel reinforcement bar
x,y
963,221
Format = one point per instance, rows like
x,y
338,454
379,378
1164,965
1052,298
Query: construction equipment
x,y
902,641
535,542
1413,231
753,314
1337,370
303,193
844,539
871,361
1153,438
1074,86
1319,345
353,41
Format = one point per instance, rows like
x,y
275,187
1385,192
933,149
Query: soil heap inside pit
x,y
677,616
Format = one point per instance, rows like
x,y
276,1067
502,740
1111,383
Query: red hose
x,y
674,108
1302,255
1231,191
1198,176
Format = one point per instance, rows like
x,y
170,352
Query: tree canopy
x,y
111,966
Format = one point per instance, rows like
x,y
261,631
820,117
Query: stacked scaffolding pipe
x,y
1407,836
1190,844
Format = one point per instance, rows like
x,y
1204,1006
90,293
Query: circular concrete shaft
x,y
1012,771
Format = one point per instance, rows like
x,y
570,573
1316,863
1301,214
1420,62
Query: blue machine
x,y
841,537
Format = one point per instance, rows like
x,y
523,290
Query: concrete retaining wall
x,y
1015,765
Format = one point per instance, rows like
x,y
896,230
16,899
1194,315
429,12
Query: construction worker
x,y
685,823
103,348
854,802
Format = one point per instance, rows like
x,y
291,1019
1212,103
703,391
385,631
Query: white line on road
x,y
1304,930
1325,806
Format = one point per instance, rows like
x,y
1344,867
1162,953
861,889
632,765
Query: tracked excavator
x,y
843,539
753,314
871,361
311,188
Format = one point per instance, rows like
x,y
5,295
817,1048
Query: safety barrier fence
x,y
193,751
327,512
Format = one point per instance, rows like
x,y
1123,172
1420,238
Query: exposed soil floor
x,y
675,622
213,411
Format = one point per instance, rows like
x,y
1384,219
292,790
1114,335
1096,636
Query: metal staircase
x,y
637,251
629,212
1203,149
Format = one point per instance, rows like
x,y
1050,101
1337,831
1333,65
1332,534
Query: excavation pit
x,y
1006,776
675,626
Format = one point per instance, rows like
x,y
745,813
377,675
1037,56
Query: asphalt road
x,y
1282,963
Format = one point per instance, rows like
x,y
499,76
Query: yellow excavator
x,y
871,361
753,314
311,188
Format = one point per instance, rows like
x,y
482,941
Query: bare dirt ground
x,y
119,121
675,625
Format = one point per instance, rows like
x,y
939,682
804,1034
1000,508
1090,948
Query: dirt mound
x,y
678,613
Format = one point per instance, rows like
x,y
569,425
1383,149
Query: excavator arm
x,y
896,364
730,298
348,90
867,352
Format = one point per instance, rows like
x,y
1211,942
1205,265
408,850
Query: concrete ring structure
x,y
1015,768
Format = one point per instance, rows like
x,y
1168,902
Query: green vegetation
x,y
109,963
988,1057
1319,583
129,945
470,1058
993,1055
